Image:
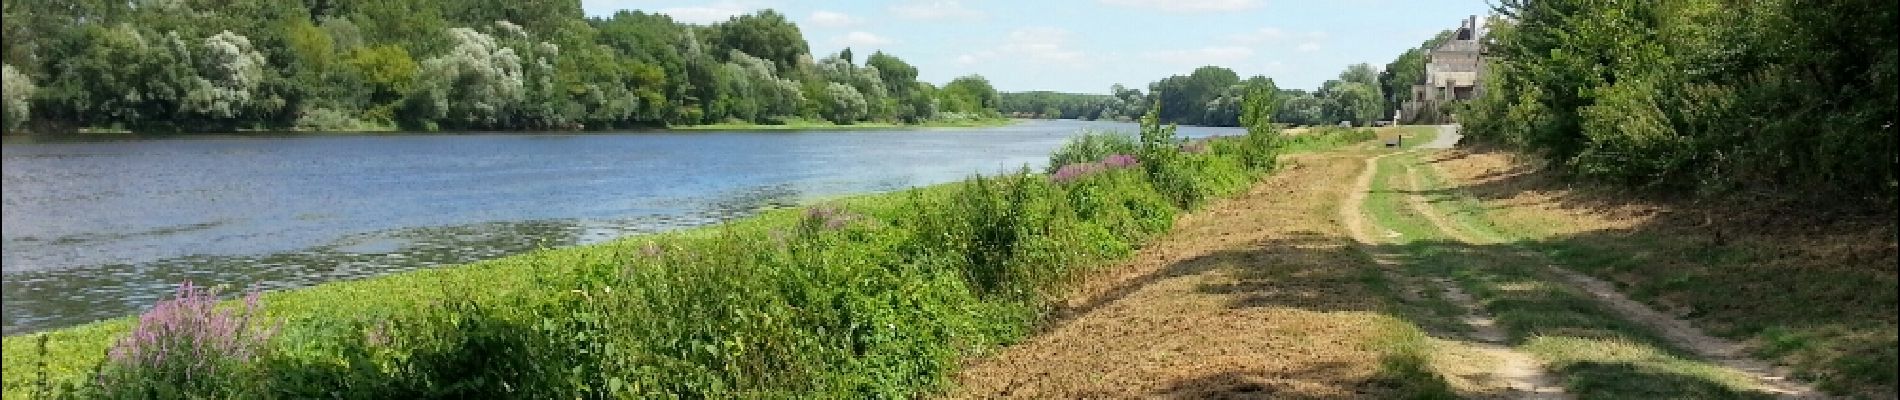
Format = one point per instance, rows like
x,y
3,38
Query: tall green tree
x,y
1184,98
970,95
1775,96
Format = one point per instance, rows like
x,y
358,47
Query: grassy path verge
x,y
1259,296
1512,373
1601,351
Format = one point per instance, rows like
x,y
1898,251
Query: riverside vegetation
x,y
870,296
421,65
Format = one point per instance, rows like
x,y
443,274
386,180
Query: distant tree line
x,y
1782,96
1213,96
1052,105
203,65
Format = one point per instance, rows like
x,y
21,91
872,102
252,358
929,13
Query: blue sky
x,y
1086,45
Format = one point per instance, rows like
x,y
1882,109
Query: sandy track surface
x,y
1254,297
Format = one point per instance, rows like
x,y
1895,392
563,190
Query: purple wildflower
x,y
191,332
1118,161
1072,172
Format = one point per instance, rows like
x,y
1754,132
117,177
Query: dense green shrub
x,y
1091,146
1775,95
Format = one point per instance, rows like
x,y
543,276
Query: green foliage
x,y
1325,137
912,99
1053,105
1185,172
1353,102
1183,99
17,100
844,103
459,64
968,94
1298,107
1091,146
1123,104
1260,146
1774,95
1355,97
765,34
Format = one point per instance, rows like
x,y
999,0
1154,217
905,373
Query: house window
x,y
1462,93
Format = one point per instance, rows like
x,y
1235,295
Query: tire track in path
x,y
1520,374
1725,353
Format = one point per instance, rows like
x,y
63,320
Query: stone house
x,y
1453,71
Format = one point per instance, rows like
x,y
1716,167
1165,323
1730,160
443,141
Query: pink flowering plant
x,y
189,344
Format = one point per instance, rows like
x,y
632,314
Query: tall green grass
x,y
875,296
1090,146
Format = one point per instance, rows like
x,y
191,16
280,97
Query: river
x,y
102,229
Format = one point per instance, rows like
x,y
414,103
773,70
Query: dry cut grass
x,y
1262,296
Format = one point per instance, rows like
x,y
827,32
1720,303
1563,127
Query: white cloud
x,y
861,39
976,57
832,19
1037,44
935,9
1188,6
1042,44
706,14
1309,47
1258,36
1213,55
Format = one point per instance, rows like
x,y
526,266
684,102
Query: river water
x,y
101,229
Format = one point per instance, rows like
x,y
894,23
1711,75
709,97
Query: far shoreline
x,y
85,136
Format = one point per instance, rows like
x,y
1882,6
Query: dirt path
x,y
1447,137
1722,352
1262,296
1518,373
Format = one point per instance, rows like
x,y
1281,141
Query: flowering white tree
x,y
17,98
477,83
229,72
847,105
775,96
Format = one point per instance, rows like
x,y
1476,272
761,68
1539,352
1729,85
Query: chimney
x,y
1472,23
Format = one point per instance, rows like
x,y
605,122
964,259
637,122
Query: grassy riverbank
x,y
871,295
